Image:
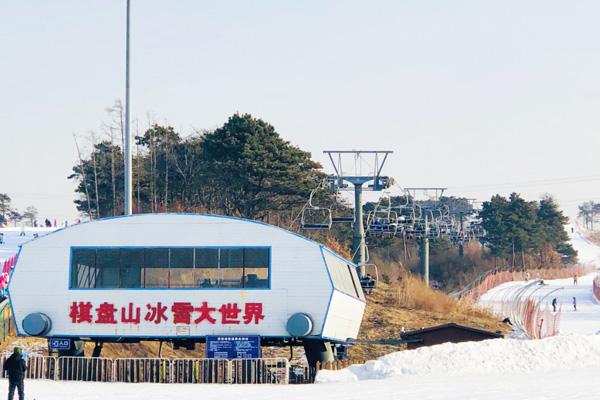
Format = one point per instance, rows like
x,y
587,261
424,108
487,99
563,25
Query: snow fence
x,y
497,277
493,356
596,288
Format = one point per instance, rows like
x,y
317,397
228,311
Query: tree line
x,y
516,228
9,214
242,168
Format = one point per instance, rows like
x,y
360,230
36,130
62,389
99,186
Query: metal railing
x,y
200,370
260,370
142,370
85,369
163,370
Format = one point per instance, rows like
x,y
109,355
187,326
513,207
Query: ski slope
x,y
586,320
13,239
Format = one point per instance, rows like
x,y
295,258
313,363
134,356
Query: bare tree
x,y
93,139
85,182
30,213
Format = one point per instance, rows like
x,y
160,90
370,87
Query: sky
x,y
480,97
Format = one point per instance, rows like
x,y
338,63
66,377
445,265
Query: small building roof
x,y
418,332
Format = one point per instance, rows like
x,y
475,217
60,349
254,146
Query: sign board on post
x,y
59,344
232,347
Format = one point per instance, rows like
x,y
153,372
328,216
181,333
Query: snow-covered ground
x,y
563,367
13,238
586,319
574,384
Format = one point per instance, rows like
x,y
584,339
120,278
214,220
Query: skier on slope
x,y
574,304
554,303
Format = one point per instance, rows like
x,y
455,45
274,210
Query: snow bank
x,y
490,356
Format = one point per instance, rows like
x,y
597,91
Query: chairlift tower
x,y
365,168
434,195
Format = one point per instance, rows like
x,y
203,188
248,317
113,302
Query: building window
x,y
344,276
181,268
231,264
206,268
132,264
176,268
108,262
256,268
85,273
156,268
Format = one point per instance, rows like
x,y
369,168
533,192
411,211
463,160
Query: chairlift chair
x,y
315,217
342,219
382,221
369,282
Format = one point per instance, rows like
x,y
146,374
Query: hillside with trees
x,y
242,168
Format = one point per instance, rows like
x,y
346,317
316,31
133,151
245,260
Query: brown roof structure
x,y
450,332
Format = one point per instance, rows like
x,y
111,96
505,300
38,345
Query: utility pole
x,y
435,194
424,253
127,205
461,244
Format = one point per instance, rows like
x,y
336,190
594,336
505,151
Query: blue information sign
x,y
231,347
59,344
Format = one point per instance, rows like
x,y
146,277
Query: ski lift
x,y
315,217
406,217
382,221
369,282
343,216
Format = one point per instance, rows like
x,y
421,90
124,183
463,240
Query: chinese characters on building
x,y
158,313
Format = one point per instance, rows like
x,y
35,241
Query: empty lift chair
x,y
315,217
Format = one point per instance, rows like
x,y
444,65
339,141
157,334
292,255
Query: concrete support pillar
x,y
318,351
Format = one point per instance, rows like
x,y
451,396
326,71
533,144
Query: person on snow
x,y
575,279
15,366
574,304
554,303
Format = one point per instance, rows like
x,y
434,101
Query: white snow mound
x,y
490,356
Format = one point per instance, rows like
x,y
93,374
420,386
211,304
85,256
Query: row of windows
x,y
114,268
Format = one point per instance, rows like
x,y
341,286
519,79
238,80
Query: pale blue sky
x,y
469,94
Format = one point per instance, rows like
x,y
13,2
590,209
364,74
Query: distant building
x,y
451,332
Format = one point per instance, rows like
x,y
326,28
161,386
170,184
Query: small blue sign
x,y
232,347
59,344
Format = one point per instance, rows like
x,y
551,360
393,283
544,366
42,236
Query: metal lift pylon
x,y
355,180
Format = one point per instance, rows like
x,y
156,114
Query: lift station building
x,y
182,278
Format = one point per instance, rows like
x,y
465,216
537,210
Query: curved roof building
x,y
183,276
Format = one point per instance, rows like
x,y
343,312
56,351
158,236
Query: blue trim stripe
x,y
12,310
322,248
